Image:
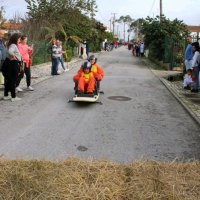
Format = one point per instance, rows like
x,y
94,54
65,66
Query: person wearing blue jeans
x,y
55,59
188,54
195,67
61,52
195,87
55,63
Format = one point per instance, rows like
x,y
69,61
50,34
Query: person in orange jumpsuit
x,y
85,79
96,68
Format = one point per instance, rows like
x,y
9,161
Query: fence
x,y
42,52
173,52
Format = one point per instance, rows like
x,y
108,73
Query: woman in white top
x,y
12,68
195,67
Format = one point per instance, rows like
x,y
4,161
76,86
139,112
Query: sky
x,y
186,10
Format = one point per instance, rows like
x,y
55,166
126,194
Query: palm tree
x,y
51,32
125,20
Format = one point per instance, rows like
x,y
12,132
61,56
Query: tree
x,y
126,20
2,20
157,31
71,21
71,14
136,27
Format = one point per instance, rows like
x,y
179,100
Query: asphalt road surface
x,y
138,118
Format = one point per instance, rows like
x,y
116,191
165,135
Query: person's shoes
x,y
66,70
58,72
194,90
30,88
6,98
15,99
186,88
18,89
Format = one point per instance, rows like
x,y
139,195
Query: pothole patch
x,y
119,98
82,148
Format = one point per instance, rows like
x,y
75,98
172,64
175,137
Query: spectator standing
x,y
106,46
195,67
11,67
87,48
26,52
2,53
188,54
142,49
61,52
55,58
83,50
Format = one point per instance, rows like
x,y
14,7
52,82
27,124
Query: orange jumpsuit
x,y
86,81
97,71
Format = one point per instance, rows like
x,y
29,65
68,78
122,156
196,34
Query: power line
x,y
104,19
152,7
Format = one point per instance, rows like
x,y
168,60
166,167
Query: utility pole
x,y
113,22
124,31
117,30
161,9
110,24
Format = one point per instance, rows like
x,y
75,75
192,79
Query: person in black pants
x,y
10,78
26,52
11,67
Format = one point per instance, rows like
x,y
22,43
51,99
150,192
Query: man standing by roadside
x,y
2,54
188,54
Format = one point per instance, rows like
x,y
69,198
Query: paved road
x,y
139,118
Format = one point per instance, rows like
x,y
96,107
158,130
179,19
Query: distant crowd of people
x,y
109,46
137,48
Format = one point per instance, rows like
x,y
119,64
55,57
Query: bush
x,y
40,53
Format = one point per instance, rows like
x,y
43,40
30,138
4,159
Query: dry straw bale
x,y
76,179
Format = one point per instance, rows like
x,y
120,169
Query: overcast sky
x,y
186,10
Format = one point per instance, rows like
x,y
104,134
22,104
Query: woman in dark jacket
x,y
11,67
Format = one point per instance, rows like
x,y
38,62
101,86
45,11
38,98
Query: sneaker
x,y
19,89
194,90
6,98
15,99
186,87
66,70
30,88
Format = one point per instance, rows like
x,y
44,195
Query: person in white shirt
x,y
195,67
187,82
